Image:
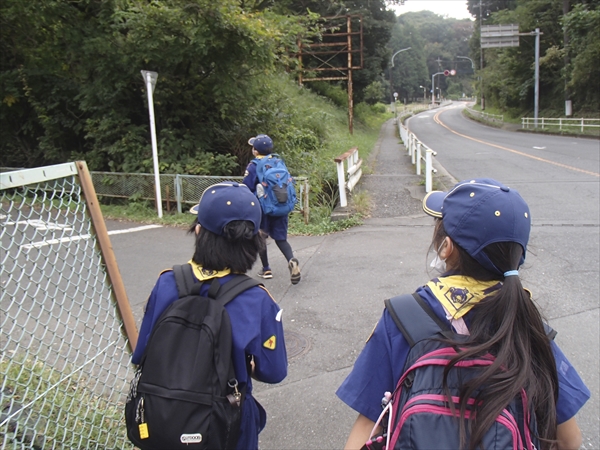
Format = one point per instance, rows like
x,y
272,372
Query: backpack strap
x,y
415,319
224,293
187,285
185,279
550,332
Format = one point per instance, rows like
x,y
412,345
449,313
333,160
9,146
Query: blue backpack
x,y
417,414
275,189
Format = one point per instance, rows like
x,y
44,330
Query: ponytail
x,y
508,325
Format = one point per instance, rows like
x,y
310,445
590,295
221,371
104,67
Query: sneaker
x,y
294,267
266,273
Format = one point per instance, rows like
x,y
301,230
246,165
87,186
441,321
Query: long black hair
x,y
237,249
508,325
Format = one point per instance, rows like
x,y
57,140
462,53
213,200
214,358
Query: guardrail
x,y
560,123
353,171
487,116
419,153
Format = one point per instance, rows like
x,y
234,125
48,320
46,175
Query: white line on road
x,y
85,236
133,230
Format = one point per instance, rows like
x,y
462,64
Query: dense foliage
x,y
569,55
435,42
71,88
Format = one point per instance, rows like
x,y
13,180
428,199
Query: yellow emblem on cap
x,y
270,343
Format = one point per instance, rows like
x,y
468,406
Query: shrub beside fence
x,y
65,322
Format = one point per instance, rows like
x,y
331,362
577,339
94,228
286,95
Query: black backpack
x,y
417,414
184,394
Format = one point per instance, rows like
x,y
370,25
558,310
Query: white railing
x,y
348,165
487,116
561,123
419,153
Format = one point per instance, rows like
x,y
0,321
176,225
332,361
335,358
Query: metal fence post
x,y
418,157
178,192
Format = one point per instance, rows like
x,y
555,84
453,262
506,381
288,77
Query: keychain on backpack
x,y
143,426
380,440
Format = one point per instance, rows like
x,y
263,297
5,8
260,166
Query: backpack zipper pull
x,y
139,417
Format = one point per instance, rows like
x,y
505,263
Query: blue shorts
x,y
275,227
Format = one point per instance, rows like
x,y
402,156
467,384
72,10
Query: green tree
x,y
435,43
71,83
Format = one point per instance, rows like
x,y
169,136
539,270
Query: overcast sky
x,y
451,8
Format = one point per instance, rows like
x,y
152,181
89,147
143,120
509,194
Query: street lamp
x,y
424,94
433,88
391,69
472,63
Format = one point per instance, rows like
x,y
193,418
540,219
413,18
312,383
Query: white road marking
x,y
133,230
80,237
539,148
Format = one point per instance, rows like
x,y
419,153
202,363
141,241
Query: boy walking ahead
x,y
274,226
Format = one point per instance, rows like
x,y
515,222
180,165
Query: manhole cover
x,y
295,344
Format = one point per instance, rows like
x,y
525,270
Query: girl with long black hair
x,y
480,239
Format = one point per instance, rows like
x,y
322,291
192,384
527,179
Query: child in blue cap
x,y
274,226
480,239
227,243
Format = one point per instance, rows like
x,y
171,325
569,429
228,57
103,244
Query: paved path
x,y
345,278
331,312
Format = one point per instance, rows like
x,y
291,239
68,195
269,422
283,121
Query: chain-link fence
x,y
181,191
64,316
177,191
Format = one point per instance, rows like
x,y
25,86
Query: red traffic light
x,y
446,72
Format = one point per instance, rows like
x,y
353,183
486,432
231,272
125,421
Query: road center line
x,y
439,122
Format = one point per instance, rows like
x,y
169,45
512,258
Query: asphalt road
x,y
346,276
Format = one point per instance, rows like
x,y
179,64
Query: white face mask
x,y
438,263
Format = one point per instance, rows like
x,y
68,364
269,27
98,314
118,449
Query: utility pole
x,y
481,57
536,101
567,62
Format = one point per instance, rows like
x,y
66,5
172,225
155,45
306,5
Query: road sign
x,y
500,36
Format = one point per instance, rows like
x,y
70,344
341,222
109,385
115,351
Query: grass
x,y
68,415
323,184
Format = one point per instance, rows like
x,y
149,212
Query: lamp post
x,y
433,87
424,94
392,70
472,63
150,80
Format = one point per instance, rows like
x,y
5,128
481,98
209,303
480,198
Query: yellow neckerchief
x,y
205,274
458,294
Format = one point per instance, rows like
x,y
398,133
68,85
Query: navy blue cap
x,y
225,202
262,143
480,212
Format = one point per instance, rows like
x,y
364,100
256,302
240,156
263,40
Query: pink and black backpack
x,y
418,415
